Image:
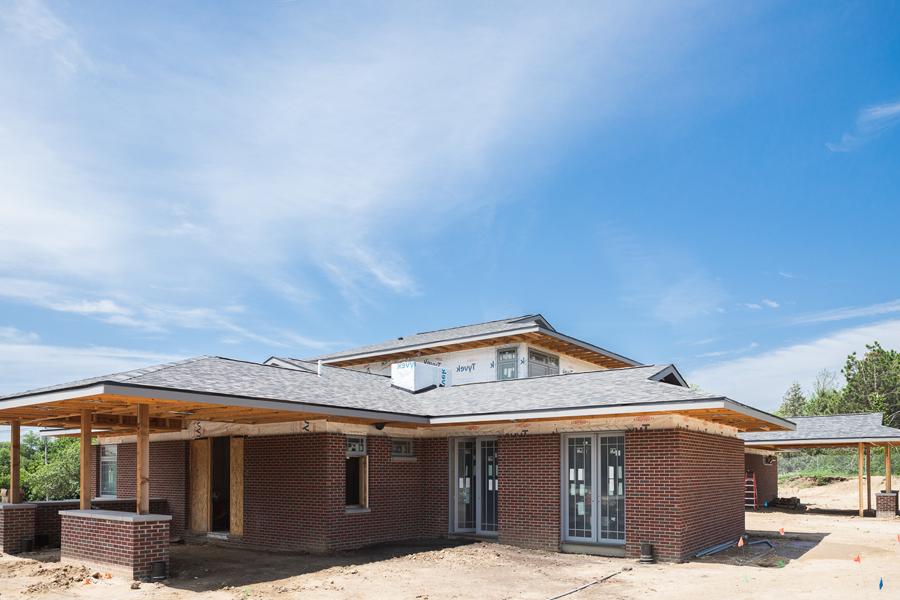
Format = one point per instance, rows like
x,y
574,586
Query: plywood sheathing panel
x,y
236,454
200,485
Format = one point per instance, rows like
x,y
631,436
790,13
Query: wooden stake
x,y
859,478
142,468
15,489
887,469
85,475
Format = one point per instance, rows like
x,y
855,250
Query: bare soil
x,y
814,559
838,495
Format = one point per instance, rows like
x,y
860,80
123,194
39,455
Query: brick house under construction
x,y
505,430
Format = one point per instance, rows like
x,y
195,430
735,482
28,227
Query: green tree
x,y
57,479
873,382
826,398
793,403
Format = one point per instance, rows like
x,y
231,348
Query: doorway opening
x,y
475,486
220,492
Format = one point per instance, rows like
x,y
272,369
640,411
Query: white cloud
x,y
843,314
15,335
786,275
316,148
718,353
762,380
764,303
870,122
752,305
25,366
770,303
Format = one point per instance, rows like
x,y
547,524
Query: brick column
x,y
126,543
886,505
16,527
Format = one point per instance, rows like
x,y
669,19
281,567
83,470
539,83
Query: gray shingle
x,y
843,427
344,388
439,335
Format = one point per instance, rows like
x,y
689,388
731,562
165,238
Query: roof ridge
x,y
507,320
157,368
859,414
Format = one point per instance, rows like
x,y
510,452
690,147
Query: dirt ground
x,y
814,559
839,495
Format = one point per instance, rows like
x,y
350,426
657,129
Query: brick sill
x,y
357,510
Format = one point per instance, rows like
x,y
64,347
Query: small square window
x,y
402,448
356,446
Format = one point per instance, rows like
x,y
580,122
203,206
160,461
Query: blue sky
x,y
673,181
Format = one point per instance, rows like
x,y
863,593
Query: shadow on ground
x,y
766,549
205,567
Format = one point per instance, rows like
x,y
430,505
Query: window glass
x,y
506,363
402,448
354,473
108,469
356,446
542,364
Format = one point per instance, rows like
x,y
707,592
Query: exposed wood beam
x,y
887,469
15,489
868,478
859,477
142,467
85,495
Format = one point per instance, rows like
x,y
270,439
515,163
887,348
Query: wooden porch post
x,y
85,478
142,468
859,478
15,489
887,468
868,478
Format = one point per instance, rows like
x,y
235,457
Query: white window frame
x,y
542,353
114,459
515,362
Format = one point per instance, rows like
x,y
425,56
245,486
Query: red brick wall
x,y
125,546
47,521
284,492
766,476
168,478
529,499
16,526
684,491
294,493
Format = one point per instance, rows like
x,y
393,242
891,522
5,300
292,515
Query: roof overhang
x,y
796,444
716,410
533,334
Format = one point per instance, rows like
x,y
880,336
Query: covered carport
x,y
860,431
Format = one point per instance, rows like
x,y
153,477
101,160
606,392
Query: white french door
x,y
474,493
594,488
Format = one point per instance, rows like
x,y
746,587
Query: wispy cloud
x,y
764,303
870,122
307,154
25,364
718,353
762,380
853,312
787,275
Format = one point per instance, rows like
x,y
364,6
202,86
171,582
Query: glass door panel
x,y
465,485
612,488
579,492
487,486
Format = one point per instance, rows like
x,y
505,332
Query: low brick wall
x,y
47,525
126,543
886,505
16,527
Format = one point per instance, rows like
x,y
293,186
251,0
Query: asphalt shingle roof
x,y
440,335
345,388
843,427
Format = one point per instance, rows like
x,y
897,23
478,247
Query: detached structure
x,y
860,431
507,430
